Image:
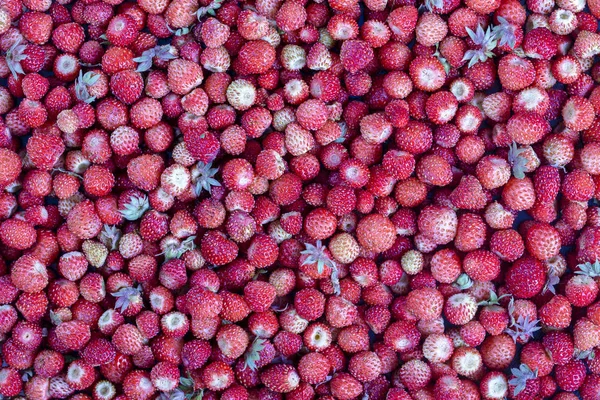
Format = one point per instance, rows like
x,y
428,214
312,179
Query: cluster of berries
x,y
299,199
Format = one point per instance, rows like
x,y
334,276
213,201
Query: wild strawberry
x,y
280,378
556,313
559,345
519,194
345,386
469,194
425,303
585,334
535,272
581,290
80,375
430,29
291,16
515,73
29,274
10,382
138,384
577,186
438,224
181,13
217,249
36,26
128,339
434,170
183,76
441,107
314,368
73,334
255,57
460,308
402,22
68,37
365,366
379,242
121,30
17,234
540,43
578,113
165,376
570,376
11,166
586,44
427,73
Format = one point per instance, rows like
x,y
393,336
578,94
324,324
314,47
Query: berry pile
x,y
299,199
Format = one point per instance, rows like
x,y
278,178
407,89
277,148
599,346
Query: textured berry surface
x,y
300,199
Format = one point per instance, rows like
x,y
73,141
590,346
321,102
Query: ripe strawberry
x,y
556,313
128,339
83,220
497,351
570,376
309,304
438,223
383,240
138,384
288,343
183,76
365,366
73,334
441,107
11,166
425,303
217,249
427,73
578,113
585,334
68,37
577,186
181,13
29,274
291,16
519,194
280,378
402,22
165,376
48,363
469,194
581,290
542,241
122,30
515,73
36,27
17,234
345,386
80,375
531,268
314,368
460,308
10,382
255,57
232,340
434,170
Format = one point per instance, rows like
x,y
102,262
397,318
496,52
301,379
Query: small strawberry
x,y
570,376
73,334
556,313
165,376
68,37
218,376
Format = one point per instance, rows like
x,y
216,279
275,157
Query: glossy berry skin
x,y
300,199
